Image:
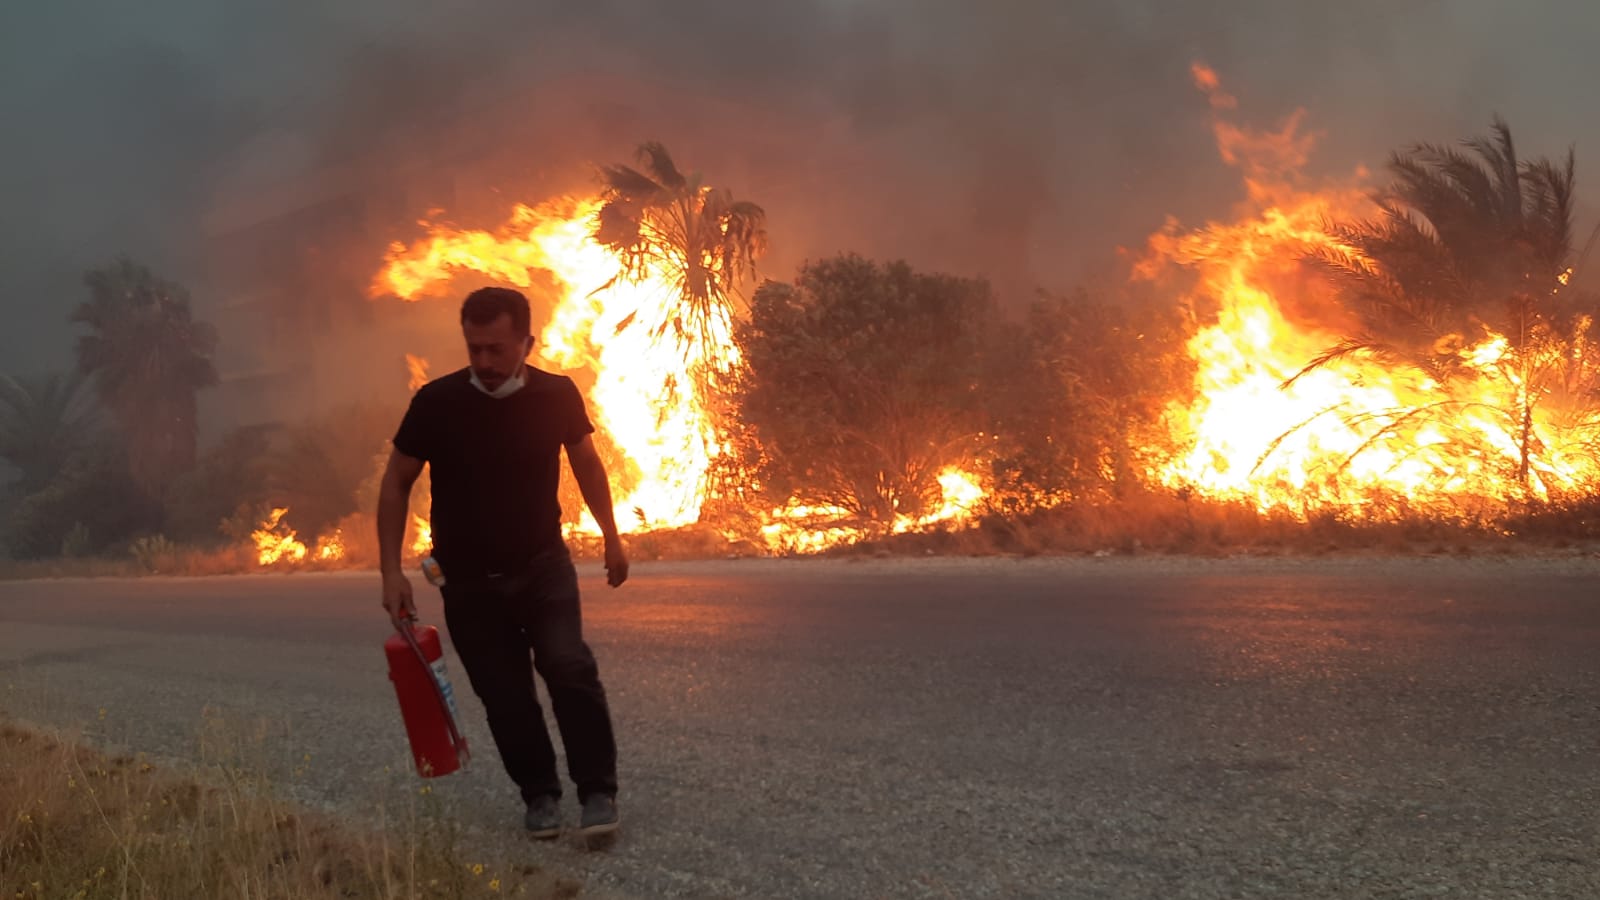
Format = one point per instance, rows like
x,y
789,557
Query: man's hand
x,y
393,496
596,490
397,600
616,562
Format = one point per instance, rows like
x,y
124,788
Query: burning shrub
x,y
862,385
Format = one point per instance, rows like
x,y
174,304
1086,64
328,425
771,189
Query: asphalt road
x,y
1069,728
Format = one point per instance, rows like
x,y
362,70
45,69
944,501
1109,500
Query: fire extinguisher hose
x,y
457,742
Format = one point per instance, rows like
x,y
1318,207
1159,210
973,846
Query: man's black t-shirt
x,y
495,467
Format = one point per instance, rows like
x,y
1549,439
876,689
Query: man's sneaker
x,y
599,815
543,817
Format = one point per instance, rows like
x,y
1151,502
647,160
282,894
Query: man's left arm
x,y
596,489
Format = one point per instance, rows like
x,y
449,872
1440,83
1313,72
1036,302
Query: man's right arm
x,y
394,499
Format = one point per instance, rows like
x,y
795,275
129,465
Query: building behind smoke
x,y
288,267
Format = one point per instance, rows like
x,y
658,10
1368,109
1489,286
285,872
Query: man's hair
x,y
484,305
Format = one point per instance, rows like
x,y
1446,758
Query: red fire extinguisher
x,y
427,703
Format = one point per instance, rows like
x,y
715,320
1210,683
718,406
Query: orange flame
x,y
276,542
603,325
330,547
1339,435
797,528
422,542
418,367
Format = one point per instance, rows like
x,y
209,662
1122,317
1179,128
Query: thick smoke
x,y
1024,140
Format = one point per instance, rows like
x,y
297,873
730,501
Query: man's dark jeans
x,y
493,623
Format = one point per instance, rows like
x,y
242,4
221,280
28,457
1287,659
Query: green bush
x,y
317,469
228,476
77,542
1078,399
93,500
154,553
862,382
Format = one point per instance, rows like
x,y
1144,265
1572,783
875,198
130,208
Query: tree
x,y
1472,243
316,468
1080,389
228,482
89,506
148,358
44,422
697,238
861,383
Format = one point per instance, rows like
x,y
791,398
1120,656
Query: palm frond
x,y
654,156
1550,212
1398,419
1350,346
44,422
699,242
1472,185
631,186
615,227
1500,153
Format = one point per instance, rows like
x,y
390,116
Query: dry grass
x,y
80,824
1166,524
1142,523
174,561
68,567
689,542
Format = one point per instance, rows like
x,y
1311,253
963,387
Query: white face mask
x,y
510,385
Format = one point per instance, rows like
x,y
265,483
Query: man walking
x,y
491,435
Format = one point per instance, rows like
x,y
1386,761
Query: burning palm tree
x,y
148,358
701,244
1462,277
696,238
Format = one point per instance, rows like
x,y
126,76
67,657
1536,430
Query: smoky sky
x,y
1022,141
